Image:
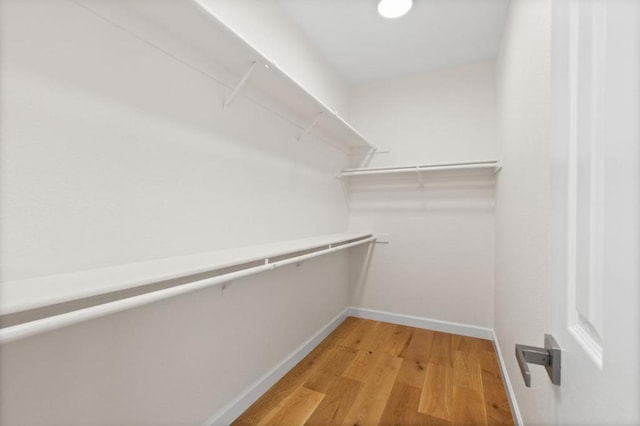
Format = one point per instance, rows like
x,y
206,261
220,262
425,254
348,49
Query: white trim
x,y
513,403
426,323
585,322
589,344
251,394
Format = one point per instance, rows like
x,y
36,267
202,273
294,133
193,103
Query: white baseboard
x,y
236,407
426,323
517,417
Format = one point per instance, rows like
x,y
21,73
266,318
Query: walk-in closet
x,y
322,212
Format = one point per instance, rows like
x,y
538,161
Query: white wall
x,y
522,206
113,152
439,263
436,117
264,25
175,362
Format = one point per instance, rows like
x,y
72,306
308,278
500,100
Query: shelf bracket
x,y
241,83
383,241
498,167
370,152
310,126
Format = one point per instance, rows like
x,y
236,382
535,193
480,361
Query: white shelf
x,y
493,166
176,26
22,295
21,299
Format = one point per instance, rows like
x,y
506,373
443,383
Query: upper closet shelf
x,y
189,32
493,166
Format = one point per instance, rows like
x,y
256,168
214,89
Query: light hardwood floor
x,y
376,373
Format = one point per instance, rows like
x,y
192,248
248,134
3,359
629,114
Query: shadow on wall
x,y
359,266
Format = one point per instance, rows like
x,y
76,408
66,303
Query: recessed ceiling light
x,y
394,8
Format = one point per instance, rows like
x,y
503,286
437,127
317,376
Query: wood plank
x,y
435,421
489,362
469,407
466,370
339,360
344,330
436,398
485,345
334,407
372,398
465,343
294,410
441,352
392,375
321,381
330,370
363,365
382,338
287,385
415,357
361,336
397,341
497,404
402,408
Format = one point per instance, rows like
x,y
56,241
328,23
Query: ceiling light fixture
x,y
394,8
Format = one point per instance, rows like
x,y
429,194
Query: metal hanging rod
x,y
56,321
422,168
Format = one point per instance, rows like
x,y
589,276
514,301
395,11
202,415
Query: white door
x,y
595,210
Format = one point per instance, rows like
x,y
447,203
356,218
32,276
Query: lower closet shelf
x,y
40,304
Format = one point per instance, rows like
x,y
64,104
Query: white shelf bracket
x,y
370,152
383,240
241,83
310,126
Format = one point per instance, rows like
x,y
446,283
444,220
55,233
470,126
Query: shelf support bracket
x,y
498,167
310,126
241,83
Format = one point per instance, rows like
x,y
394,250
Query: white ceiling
x,y
363,46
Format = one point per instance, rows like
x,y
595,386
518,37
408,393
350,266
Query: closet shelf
x,y
275,81
493,166
34,305
176,27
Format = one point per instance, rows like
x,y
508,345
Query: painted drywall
x,y
522,196
114,152
439,260
175,362
440,116
265,26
